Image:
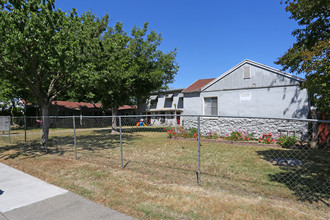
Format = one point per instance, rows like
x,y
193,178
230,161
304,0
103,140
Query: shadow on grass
x,y
62,144
30,151
103,139
133,129
308,178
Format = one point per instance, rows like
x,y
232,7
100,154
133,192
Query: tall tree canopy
x,y
311,53
42,49
127,67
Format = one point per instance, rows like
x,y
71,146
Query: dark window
x,y
180,103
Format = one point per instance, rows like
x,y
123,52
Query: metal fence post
x,y
25,130
199,150
74,137
121,144
9,129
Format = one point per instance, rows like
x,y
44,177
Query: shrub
x,y
211,135
180,132
287,141
268,138
238,135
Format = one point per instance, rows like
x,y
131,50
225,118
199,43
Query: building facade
x,y
166,103
249,89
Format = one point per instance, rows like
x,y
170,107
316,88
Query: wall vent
x,y
246,72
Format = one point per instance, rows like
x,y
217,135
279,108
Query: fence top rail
x,y
174,115
255,117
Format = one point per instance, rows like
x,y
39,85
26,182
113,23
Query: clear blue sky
x,y
211,36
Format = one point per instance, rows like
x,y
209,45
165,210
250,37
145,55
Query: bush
x,y
180,132
238,135
212,135
268,138
192,132
287,141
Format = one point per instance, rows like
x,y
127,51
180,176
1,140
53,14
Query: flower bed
x,y
235,136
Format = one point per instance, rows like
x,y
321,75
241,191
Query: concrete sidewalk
x,y
25,197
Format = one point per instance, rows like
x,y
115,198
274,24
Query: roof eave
x,y
193,91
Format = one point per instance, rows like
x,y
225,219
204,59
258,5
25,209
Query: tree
x,y
126,68
8,99
42,50
311,53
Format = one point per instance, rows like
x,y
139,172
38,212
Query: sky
x,y
211,36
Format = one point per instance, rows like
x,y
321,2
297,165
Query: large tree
x,y
127,68
42,49
310,55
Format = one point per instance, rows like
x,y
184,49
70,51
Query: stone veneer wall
x,y
258,127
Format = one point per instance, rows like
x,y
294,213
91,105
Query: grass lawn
x,y
160,182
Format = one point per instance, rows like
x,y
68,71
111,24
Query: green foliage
x,y
47,54
238,135
287,141
180,132
267,139
212,135
42,50
126,68
192,132
310,54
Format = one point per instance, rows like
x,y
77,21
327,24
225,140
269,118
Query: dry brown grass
x,y
159,180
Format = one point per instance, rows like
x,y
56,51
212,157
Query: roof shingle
x,y
196,86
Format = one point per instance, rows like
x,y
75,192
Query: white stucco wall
x,y
161,98
286,102
192,104
260,77
265,94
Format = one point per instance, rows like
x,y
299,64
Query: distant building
x,y
164,103
67,108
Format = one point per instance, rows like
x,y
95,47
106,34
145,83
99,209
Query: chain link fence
x,y
267,157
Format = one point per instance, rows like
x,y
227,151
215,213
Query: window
x,y
180,103
168,102
211,106
246,72
153,103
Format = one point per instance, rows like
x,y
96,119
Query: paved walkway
x,y
25,197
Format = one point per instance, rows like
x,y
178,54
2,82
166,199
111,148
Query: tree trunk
x,y
45,126
114,111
